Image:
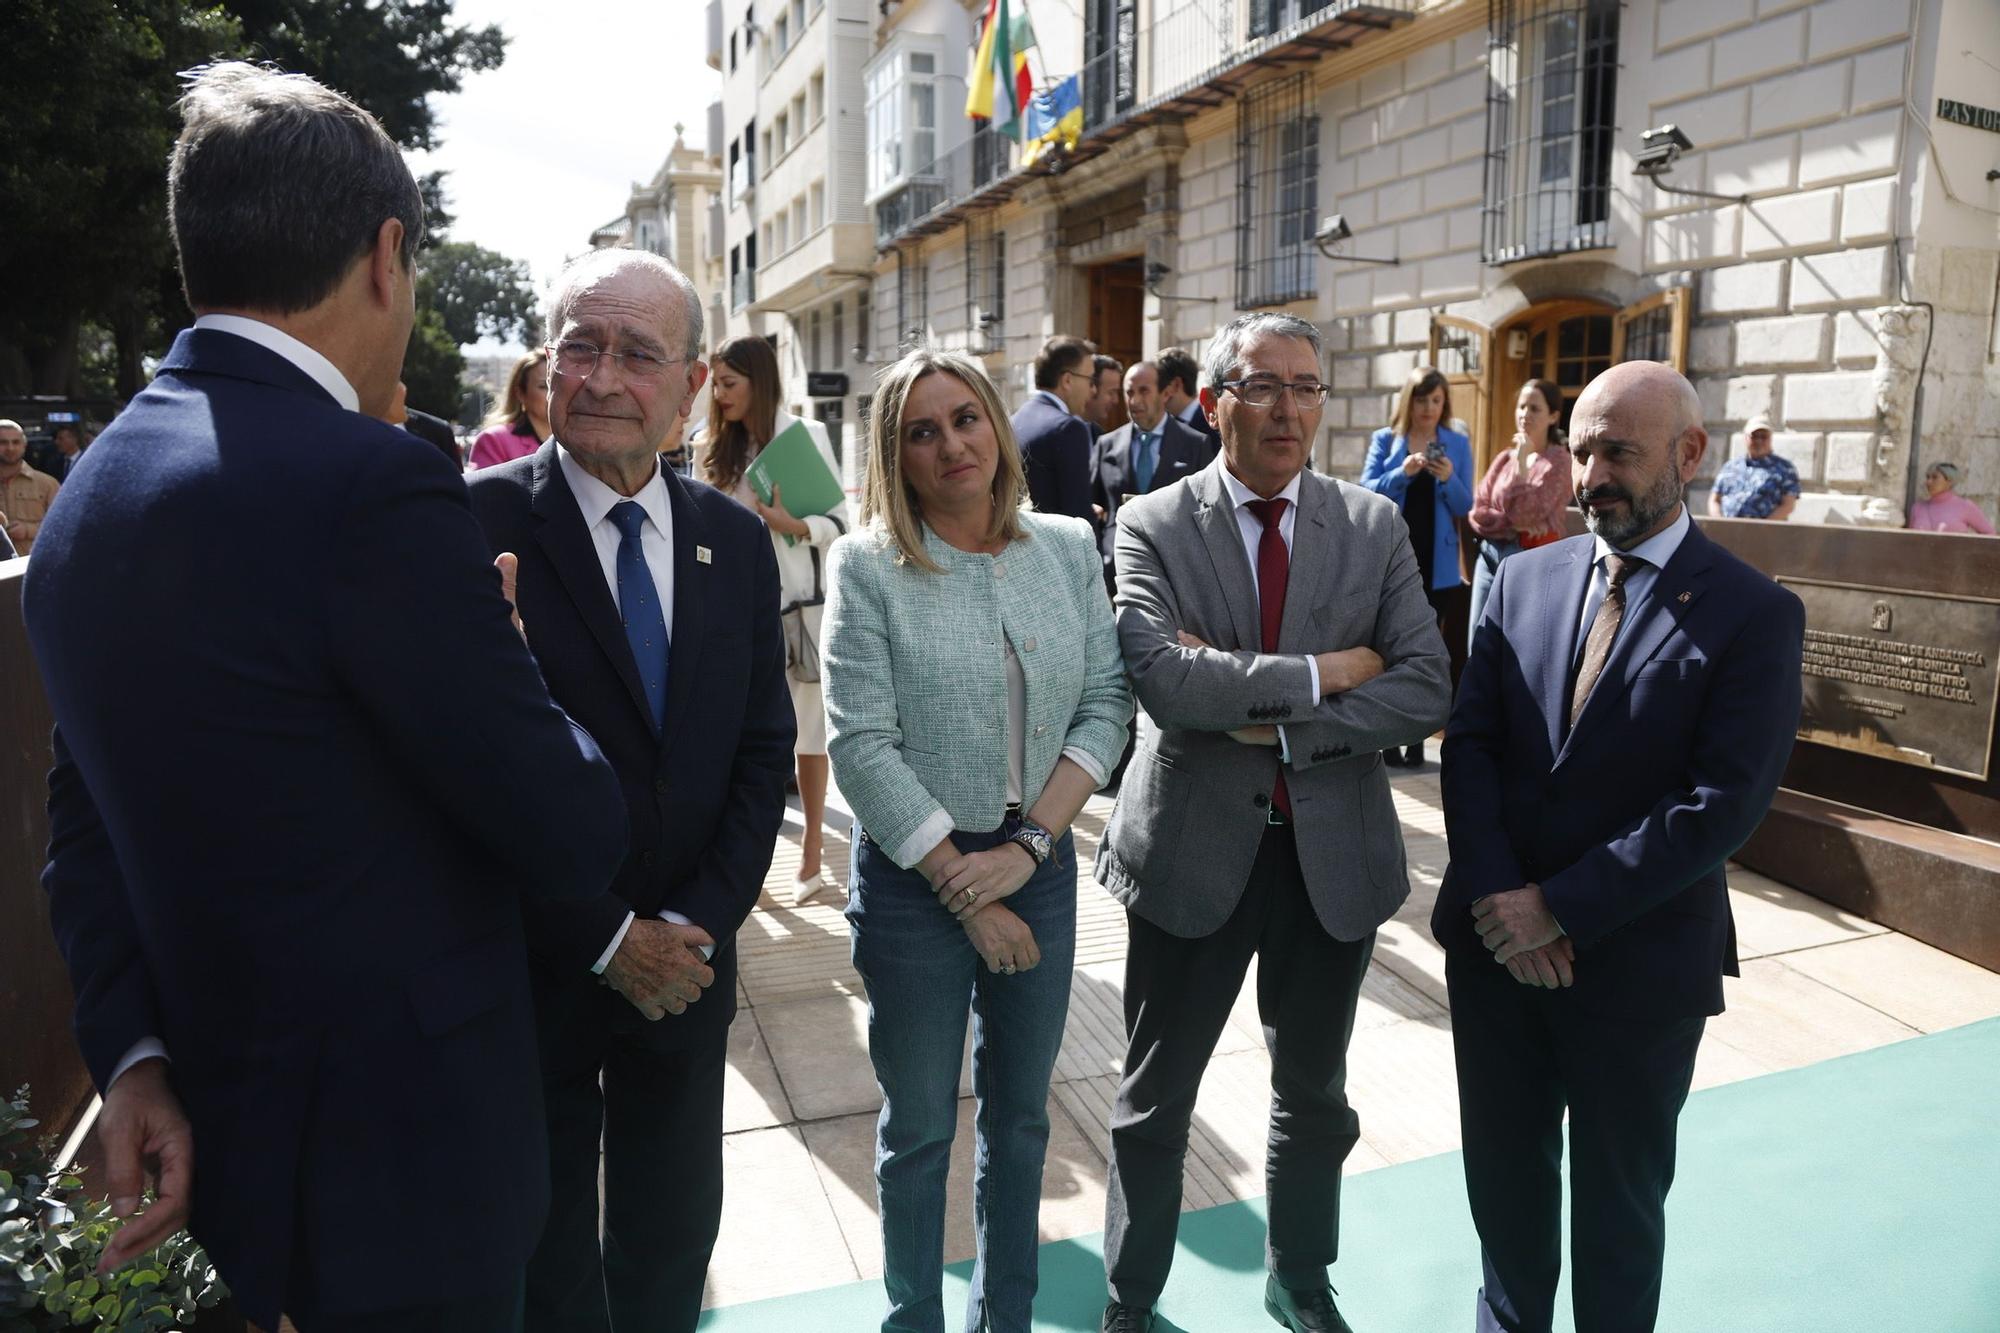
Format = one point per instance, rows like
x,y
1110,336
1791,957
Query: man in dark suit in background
x,y
1102,409
1178,379
304,765
1050,427
1148,453
651,603
1621,726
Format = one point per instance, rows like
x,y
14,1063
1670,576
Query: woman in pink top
x,y
1946,510
522,422
1520,501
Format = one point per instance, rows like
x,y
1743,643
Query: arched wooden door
x,y
1569,342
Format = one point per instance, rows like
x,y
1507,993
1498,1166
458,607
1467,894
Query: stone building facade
x,y
1823,252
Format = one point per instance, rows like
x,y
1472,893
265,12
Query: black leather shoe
x,y
1414,756
1126,1319
1310,1311
1393,756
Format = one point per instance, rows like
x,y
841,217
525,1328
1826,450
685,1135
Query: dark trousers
x,y
1178,995
1524,1055
483,1312
658,1115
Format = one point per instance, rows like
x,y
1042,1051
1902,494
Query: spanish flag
x,y
1000,83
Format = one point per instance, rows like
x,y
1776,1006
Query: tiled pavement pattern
x,y
800,1115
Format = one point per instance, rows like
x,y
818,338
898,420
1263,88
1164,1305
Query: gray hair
x,y
276,186
8,423
1224,352
586,271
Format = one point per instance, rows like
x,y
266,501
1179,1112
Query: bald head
x,y
1636,439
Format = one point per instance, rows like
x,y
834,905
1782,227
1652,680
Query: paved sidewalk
x,y
800,1114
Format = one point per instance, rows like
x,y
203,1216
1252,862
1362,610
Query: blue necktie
x,y
639,604
1142,461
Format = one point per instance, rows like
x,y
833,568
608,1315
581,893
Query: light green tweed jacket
x,y
916,681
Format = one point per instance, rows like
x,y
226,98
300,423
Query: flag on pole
x,y
1000,85
1054,116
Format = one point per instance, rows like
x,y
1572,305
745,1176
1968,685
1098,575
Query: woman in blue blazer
x,y
976,698
1426,467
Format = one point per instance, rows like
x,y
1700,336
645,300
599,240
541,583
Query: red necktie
x,y
1274,571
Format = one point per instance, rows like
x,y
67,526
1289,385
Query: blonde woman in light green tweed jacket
x,y
976,697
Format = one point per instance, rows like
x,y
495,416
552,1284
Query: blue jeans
x,y
1484,570
922,973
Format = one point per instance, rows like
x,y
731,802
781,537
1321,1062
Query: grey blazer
x,y
1191,810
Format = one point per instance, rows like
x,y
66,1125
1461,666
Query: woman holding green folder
x,y
743,417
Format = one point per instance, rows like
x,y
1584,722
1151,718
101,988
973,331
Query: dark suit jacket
x,y
1199,423
1626,821
305,770
436,432
706,796
1182,454
1055,449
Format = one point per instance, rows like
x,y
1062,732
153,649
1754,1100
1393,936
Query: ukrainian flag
x,y
1054,116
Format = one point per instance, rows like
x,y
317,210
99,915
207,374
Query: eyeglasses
x,y
1264,393
576,359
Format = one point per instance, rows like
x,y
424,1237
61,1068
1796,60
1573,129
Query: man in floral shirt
x,y
1758,485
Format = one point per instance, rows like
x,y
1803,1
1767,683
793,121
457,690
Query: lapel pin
x,y
1683,598
703,557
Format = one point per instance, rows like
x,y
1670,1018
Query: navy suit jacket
x,y
305,770
1183,452
1625,820
705,796
1055,449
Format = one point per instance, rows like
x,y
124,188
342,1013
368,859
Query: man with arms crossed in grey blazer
x,y
1278,638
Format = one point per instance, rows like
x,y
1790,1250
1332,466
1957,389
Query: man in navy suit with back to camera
x,y
1051,429
1626,712
651,602
305,768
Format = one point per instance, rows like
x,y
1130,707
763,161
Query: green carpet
x,y
1860,1194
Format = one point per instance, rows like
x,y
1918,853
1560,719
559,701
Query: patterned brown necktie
x,y
1603,630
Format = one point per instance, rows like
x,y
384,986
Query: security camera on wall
x,y
1659,149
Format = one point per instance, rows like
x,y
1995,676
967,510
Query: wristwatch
x,y
1032,838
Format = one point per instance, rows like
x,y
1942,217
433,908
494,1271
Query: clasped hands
x,y
1526,938
970,886
659,967
1339,672
1439,467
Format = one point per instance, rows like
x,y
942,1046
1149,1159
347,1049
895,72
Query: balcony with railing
x,y
1194,58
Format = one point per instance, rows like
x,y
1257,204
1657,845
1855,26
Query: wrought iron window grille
x,y
1550,111
1277,192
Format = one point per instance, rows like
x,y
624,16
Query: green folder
x,y
792,462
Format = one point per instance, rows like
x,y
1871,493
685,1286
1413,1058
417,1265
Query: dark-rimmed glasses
x,y
1264,393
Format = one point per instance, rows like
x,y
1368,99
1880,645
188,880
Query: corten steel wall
x,y
35,1042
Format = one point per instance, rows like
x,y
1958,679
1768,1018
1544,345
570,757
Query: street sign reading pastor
x,y
1907,676
1964,113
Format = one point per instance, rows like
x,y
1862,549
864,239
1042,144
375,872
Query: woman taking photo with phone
x,y
1425,466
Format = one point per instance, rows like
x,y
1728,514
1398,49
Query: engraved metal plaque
x,y
1908,676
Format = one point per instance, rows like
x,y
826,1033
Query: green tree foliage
x,y
478,293
89,119
432,366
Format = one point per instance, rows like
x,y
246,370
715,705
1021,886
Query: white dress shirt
x,y
656,541
1655,551
1251,529
328,377
323,371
